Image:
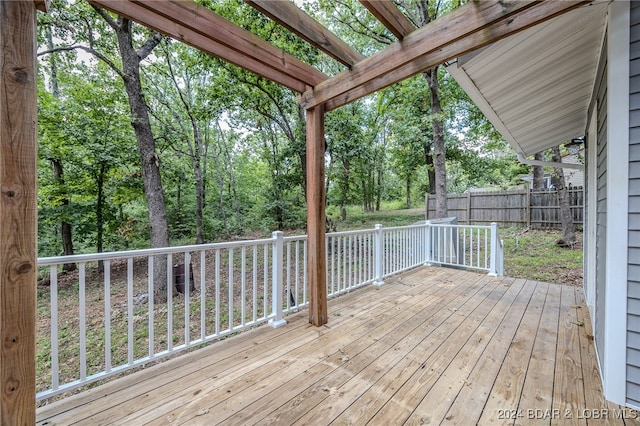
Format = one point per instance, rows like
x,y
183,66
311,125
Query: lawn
x,y
530,254
533,254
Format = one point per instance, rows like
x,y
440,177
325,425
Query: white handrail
x,y
232,286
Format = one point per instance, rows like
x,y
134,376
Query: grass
x,y
359,219
534,255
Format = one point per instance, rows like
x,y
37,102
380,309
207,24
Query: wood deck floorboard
x,y
431,346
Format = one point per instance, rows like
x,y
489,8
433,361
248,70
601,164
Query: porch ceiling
x,y
535,86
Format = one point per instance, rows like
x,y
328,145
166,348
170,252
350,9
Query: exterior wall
x,y
616,302
601,209
613,167
633,305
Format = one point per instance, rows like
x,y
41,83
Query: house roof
x,y
535,86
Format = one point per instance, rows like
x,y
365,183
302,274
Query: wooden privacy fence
x,y
535,209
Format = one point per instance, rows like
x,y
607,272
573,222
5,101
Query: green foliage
x,y
243,135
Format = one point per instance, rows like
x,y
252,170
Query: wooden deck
x,y
432,346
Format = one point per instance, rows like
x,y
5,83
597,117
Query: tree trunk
x,y
148,157
431,171
378,187
408,191
58,169
345,189
427,15
538,174
566,218
100,214
439,161
233,187
65,226
196,161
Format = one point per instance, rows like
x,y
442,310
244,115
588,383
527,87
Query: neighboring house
x,y
579,74
573,177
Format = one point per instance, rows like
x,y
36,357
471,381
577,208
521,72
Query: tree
x,y
420,13
131,58
66,230
187,115
538,173
426,13
566,218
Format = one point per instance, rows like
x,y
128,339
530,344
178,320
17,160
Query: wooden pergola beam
x,y
472,26
390,16
501,29
299,22
18,229
203,29
42,5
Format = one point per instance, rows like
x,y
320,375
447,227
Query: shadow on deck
x,y
431,346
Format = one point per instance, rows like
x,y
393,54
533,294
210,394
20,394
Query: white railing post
x,y
428,256
493,267
277,280
378,255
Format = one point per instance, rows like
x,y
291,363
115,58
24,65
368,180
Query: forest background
x,y
144,141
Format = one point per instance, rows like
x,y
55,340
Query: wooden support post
x,y
18,114
316,260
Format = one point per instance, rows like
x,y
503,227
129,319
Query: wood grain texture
x,y
298,21
507,384
18,171
390,16
466,29
43,5
537,391
467,405
569,395
316,217
201,28
429,340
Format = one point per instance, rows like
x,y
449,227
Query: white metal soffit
x,y
535,86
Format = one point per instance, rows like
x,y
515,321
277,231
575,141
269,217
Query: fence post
x,y
528,201
277,280
378,255
493,267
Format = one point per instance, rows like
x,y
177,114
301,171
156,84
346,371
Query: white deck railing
x,y
96,322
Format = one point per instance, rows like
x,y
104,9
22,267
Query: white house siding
x,y
633,295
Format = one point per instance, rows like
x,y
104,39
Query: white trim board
x,y
592,212
615,328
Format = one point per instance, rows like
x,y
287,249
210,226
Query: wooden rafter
x,y
42,5
201,28
299,22
472,26
390,16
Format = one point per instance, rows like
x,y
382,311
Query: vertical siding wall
x,y
601,216
633,293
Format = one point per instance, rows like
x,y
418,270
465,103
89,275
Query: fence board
x,y
535,209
